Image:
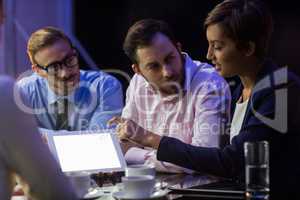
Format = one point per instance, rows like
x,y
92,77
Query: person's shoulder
x,y
275,84
206,74
204,67
31,84
273,77
98,77
137,82
30,81
92,75
138,79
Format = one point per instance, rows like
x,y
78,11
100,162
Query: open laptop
x,y
87,151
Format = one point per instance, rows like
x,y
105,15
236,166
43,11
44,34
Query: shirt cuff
x,y
136,155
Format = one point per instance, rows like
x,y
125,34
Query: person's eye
x,y
153,66
170,59
217,47
54,67
69,61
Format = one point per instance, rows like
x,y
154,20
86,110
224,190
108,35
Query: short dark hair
x,y
141,33
244,21
44,37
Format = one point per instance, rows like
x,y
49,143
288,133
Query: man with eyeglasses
x,y
62,96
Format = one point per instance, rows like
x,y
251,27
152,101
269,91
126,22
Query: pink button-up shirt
x,y
197,117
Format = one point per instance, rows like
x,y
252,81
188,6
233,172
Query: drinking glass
x,y
257,170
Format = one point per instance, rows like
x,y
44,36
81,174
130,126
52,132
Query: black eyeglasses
x,y
68,62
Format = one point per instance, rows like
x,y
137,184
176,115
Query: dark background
x,y
102,25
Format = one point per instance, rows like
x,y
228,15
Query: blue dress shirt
x,y
97,99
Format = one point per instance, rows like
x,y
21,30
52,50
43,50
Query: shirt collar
x,y
52,97
189,67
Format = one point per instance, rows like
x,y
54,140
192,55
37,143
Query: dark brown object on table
x,y
102,178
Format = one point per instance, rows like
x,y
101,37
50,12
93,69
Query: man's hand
x,y
131,131
128,129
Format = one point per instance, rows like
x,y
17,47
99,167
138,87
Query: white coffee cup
x,y
138,187
80,182
137,170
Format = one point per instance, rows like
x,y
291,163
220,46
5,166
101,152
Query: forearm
x,y
151,140
202,159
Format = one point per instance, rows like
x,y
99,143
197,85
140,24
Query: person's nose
x,y
64,73
210,53
168,71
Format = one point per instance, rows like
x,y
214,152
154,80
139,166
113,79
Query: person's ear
x,y
35,68
136,68
178,45
39,71
250,49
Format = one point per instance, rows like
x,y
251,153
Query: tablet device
x,y
221,189
87,151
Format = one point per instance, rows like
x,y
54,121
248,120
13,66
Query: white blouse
x,y
238,118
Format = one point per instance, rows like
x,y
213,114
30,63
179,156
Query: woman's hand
x,y
131,131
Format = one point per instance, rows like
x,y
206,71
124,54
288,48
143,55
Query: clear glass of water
x,y
257,170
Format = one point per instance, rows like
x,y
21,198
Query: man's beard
x,y
171,87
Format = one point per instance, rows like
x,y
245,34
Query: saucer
x,y
154,195
93,193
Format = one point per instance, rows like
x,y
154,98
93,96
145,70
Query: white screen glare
x,y
86,152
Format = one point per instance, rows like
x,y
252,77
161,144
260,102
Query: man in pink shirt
x,y
170,94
